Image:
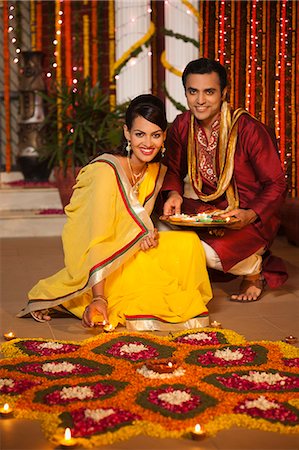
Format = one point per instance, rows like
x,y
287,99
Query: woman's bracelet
x,y
102,297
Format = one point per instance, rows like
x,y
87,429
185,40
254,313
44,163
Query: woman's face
x,y
146,139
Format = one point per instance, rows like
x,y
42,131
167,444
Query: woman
x,y
118,269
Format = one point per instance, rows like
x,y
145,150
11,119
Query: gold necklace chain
x,y
136,177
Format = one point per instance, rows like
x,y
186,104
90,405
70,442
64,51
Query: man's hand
x,y
173,204
150,241
245,217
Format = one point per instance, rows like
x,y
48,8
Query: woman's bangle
x,y
102,297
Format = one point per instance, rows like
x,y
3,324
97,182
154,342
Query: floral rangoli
x,y
103,390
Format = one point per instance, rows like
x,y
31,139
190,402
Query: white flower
x,y
261,403
147,373
50,345
80,392
98,414
199,337
58,367
263,377
175,398
132,348
6,382
228,355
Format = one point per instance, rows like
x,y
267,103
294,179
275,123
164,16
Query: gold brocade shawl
x,y
105,224
228,135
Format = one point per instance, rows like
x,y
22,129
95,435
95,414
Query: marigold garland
x,y
168,66
134,49
107,399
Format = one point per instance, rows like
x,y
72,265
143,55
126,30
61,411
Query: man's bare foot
x,y
41,315
251,289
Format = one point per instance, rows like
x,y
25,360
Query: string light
x,y
11,31
222,33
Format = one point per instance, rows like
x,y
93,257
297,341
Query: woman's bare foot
x,y
41,316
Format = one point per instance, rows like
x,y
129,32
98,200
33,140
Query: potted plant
x,y
79,125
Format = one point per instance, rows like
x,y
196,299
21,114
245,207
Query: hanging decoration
x,y
67,42
86,46
111,31
39,25
168,66
33,24
295,101
57,64
134,50
94,43
6,86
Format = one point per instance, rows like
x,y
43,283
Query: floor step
x,y
29,209
30,223
12,198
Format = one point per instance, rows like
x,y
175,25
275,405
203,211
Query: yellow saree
x,y
163,288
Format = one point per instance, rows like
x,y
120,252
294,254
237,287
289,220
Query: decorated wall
x,y
131,47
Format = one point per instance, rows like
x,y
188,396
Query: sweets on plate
x,y
198,218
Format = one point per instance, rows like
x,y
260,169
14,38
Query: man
x,y
229,162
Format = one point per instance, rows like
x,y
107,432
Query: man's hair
x,y
205,65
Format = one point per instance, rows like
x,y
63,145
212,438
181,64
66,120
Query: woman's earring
x,y
128,148
163,150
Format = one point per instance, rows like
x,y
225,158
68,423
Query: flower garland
x,y
39,25
168,66
191,8
94,43
134,50
33,24
102,389
111,36
68,42
86,40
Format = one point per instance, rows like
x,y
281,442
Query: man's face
x,y
204,96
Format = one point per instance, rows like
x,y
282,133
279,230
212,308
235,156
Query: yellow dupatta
x,y
227,146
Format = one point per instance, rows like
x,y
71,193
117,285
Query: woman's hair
x,y
205,65
150,108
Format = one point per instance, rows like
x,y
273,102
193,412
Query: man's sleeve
x,y
264,158
176,157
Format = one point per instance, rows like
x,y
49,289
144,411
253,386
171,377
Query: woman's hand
x,y
97,306
150,241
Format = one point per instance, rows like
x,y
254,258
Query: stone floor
x,y
25,260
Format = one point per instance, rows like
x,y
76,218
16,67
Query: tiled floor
x,y
25,260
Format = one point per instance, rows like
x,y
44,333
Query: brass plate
x,y
184,223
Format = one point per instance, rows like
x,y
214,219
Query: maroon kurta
x,y
261,187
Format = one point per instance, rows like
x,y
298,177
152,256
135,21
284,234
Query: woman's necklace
x,y
136,177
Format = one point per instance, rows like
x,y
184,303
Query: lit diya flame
x,y
216,324
68,440
107,326
9,335
291,339
198,433
5,410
